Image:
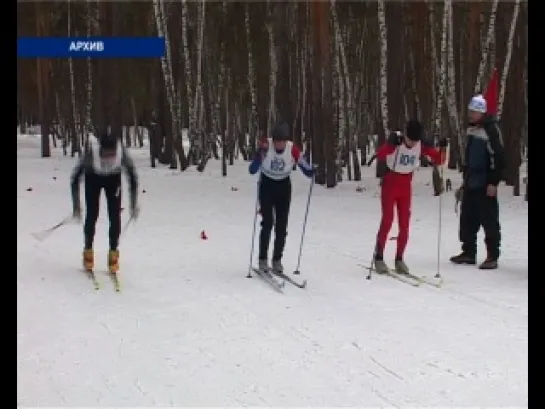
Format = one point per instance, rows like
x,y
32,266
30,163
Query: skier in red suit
x,y
402,155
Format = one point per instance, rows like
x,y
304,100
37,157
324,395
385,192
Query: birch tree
x,y
507,61
486,46
172,98
442,70
198,103
272,68
348,98
381,14
188,73
451,83
73,110
253,121
89,80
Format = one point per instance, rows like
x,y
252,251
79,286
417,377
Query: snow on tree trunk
x,y
89,83
223,93
272,70
486,46
348,116
219,98
166,66
73,134
442,72
339,92
451,83
418,110
436,67
198,103
303,55
505,71
338,99
383,65
253,123
188,75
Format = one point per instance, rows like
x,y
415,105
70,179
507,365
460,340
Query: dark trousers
x,y
274,201
478,210
112,188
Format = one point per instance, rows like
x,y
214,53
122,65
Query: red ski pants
x,y
395,193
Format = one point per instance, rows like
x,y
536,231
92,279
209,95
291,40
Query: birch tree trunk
x,y
188,73
442,72
89,82
383,33
199,101
349,117
172,98
253,122
72,121
505,71
436,64
42,79
486,47
451,91
339,108
273,69
383,75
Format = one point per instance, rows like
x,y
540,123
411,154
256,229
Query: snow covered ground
x,y
188,329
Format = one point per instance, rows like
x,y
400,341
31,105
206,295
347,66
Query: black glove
x,y
395,138
443,143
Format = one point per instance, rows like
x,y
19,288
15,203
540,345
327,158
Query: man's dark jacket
x,y
485,157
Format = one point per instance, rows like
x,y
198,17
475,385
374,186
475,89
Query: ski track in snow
x,y
188,329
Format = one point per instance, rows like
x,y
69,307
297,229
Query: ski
x,y
400,277
115,281
432,281
92,276
409,278
393,274
302,284
269,279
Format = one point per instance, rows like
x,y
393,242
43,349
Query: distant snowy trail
x,y
188,329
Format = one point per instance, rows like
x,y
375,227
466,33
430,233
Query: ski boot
x,y
263,266
113,261
463,258
489,264
401,267
277,267
380,266
88,260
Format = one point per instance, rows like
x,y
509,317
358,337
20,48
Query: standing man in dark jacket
x,y
482,172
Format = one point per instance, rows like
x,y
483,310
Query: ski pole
x,y
42,235
253,232
438,274
372,263
127,224
304,227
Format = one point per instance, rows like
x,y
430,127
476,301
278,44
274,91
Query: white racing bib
x,y
404,159
275,165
